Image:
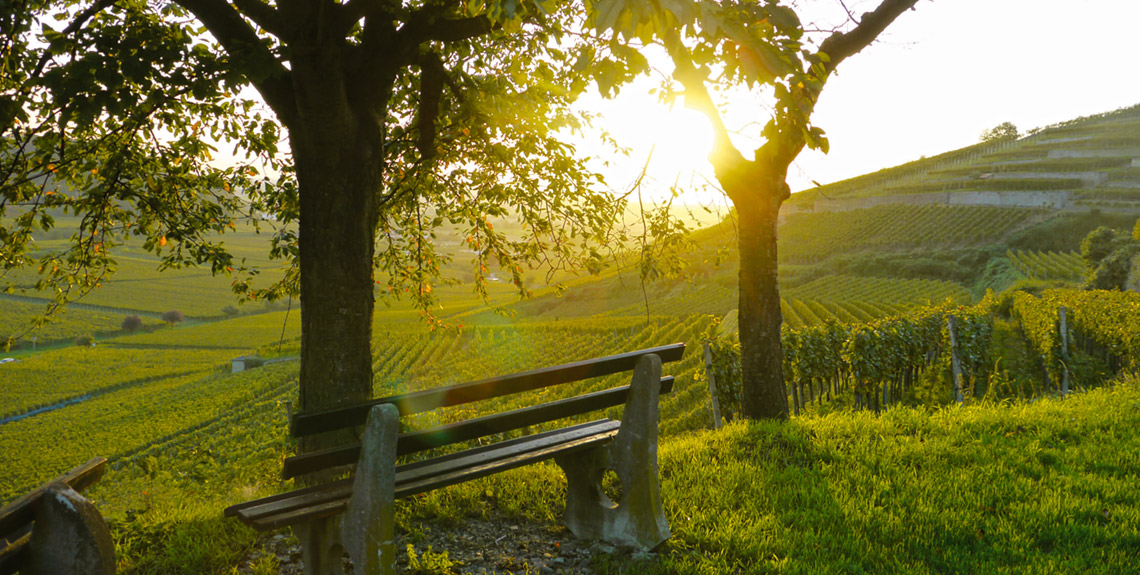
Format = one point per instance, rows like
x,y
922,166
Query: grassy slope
x,y
1041,488
1046,487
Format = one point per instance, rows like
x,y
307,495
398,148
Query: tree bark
x,y
337,145
763,394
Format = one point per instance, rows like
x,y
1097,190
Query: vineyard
x,y
811,237
1090,157
17,318
1048,265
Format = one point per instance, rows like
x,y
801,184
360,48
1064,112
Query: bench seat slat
x,y
467,430
338,418
326,500
234,509
23,510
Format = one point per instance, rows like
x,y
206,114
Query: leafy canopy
x,y
132,117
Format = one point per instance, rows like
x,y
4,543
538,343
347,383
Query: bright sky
x,y
938,77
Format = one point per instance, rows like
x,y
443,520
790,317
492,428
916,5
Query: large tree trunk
x,y
338,153
338,222
763,394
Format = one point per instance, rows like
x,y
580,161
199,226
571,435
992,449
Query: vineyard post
x,y
955,365
712,386
1064,351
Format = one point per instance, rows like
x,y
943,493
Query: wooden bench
x,y
357,514
55,530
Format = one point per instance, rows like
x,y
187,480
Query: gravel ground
x,y
477,546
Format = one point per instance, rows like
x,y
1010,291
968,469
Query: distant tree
x,y
231,311
173,316
1113,271
1002,131
1098,245
132,323
85,341
1109,257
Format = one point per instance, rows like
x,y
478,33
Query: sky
x,y
938,77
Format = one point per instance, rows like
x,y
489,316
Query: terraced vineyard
x,y
811,237
1093,159
1066,266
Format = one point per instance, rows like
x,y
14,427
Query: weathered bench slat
x,y
310,503
461,474
415,402
467,430
23,510
321,493
233,510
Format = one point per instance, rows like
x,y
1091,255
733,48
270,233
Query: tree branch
x,y
781,151
697,97
262,14
842,45
243,45
461,29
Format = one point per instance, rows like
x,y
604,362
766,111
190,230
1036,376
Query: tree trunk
x,y
337,147
763,394
337,231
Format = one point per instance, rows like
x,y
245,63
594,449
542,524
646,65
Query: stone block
x,y
369,527
69,537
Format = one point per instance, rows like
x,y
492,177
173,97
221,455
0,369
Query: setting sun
x,y
675,140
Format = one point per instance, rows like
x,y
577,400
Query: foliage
x,y
725,351
78,135
879,362
1098,245
173,316
1102,323
1002,131
85,341
132,323
429,562
1114,270
1108,256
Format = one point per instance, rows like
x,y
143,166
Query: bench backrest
x,y
420,401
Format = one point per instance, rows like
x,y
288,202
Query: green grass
x,y
1046,487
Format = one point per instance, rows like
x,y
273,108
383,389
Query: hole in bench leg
x,y
611,486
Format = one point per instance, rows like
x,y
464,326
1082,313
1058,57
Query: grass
x,y
1044,487
1016,487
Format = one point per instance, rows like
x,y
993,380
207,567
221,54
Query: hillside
x,y
1085,162
878,471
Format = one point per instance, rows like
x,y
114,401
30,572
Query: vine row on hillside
x,y
871,364
1104,324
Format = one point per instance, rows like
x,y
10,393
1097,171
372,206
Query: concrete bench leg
x,y
69,537
638,520
369,527
321,547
